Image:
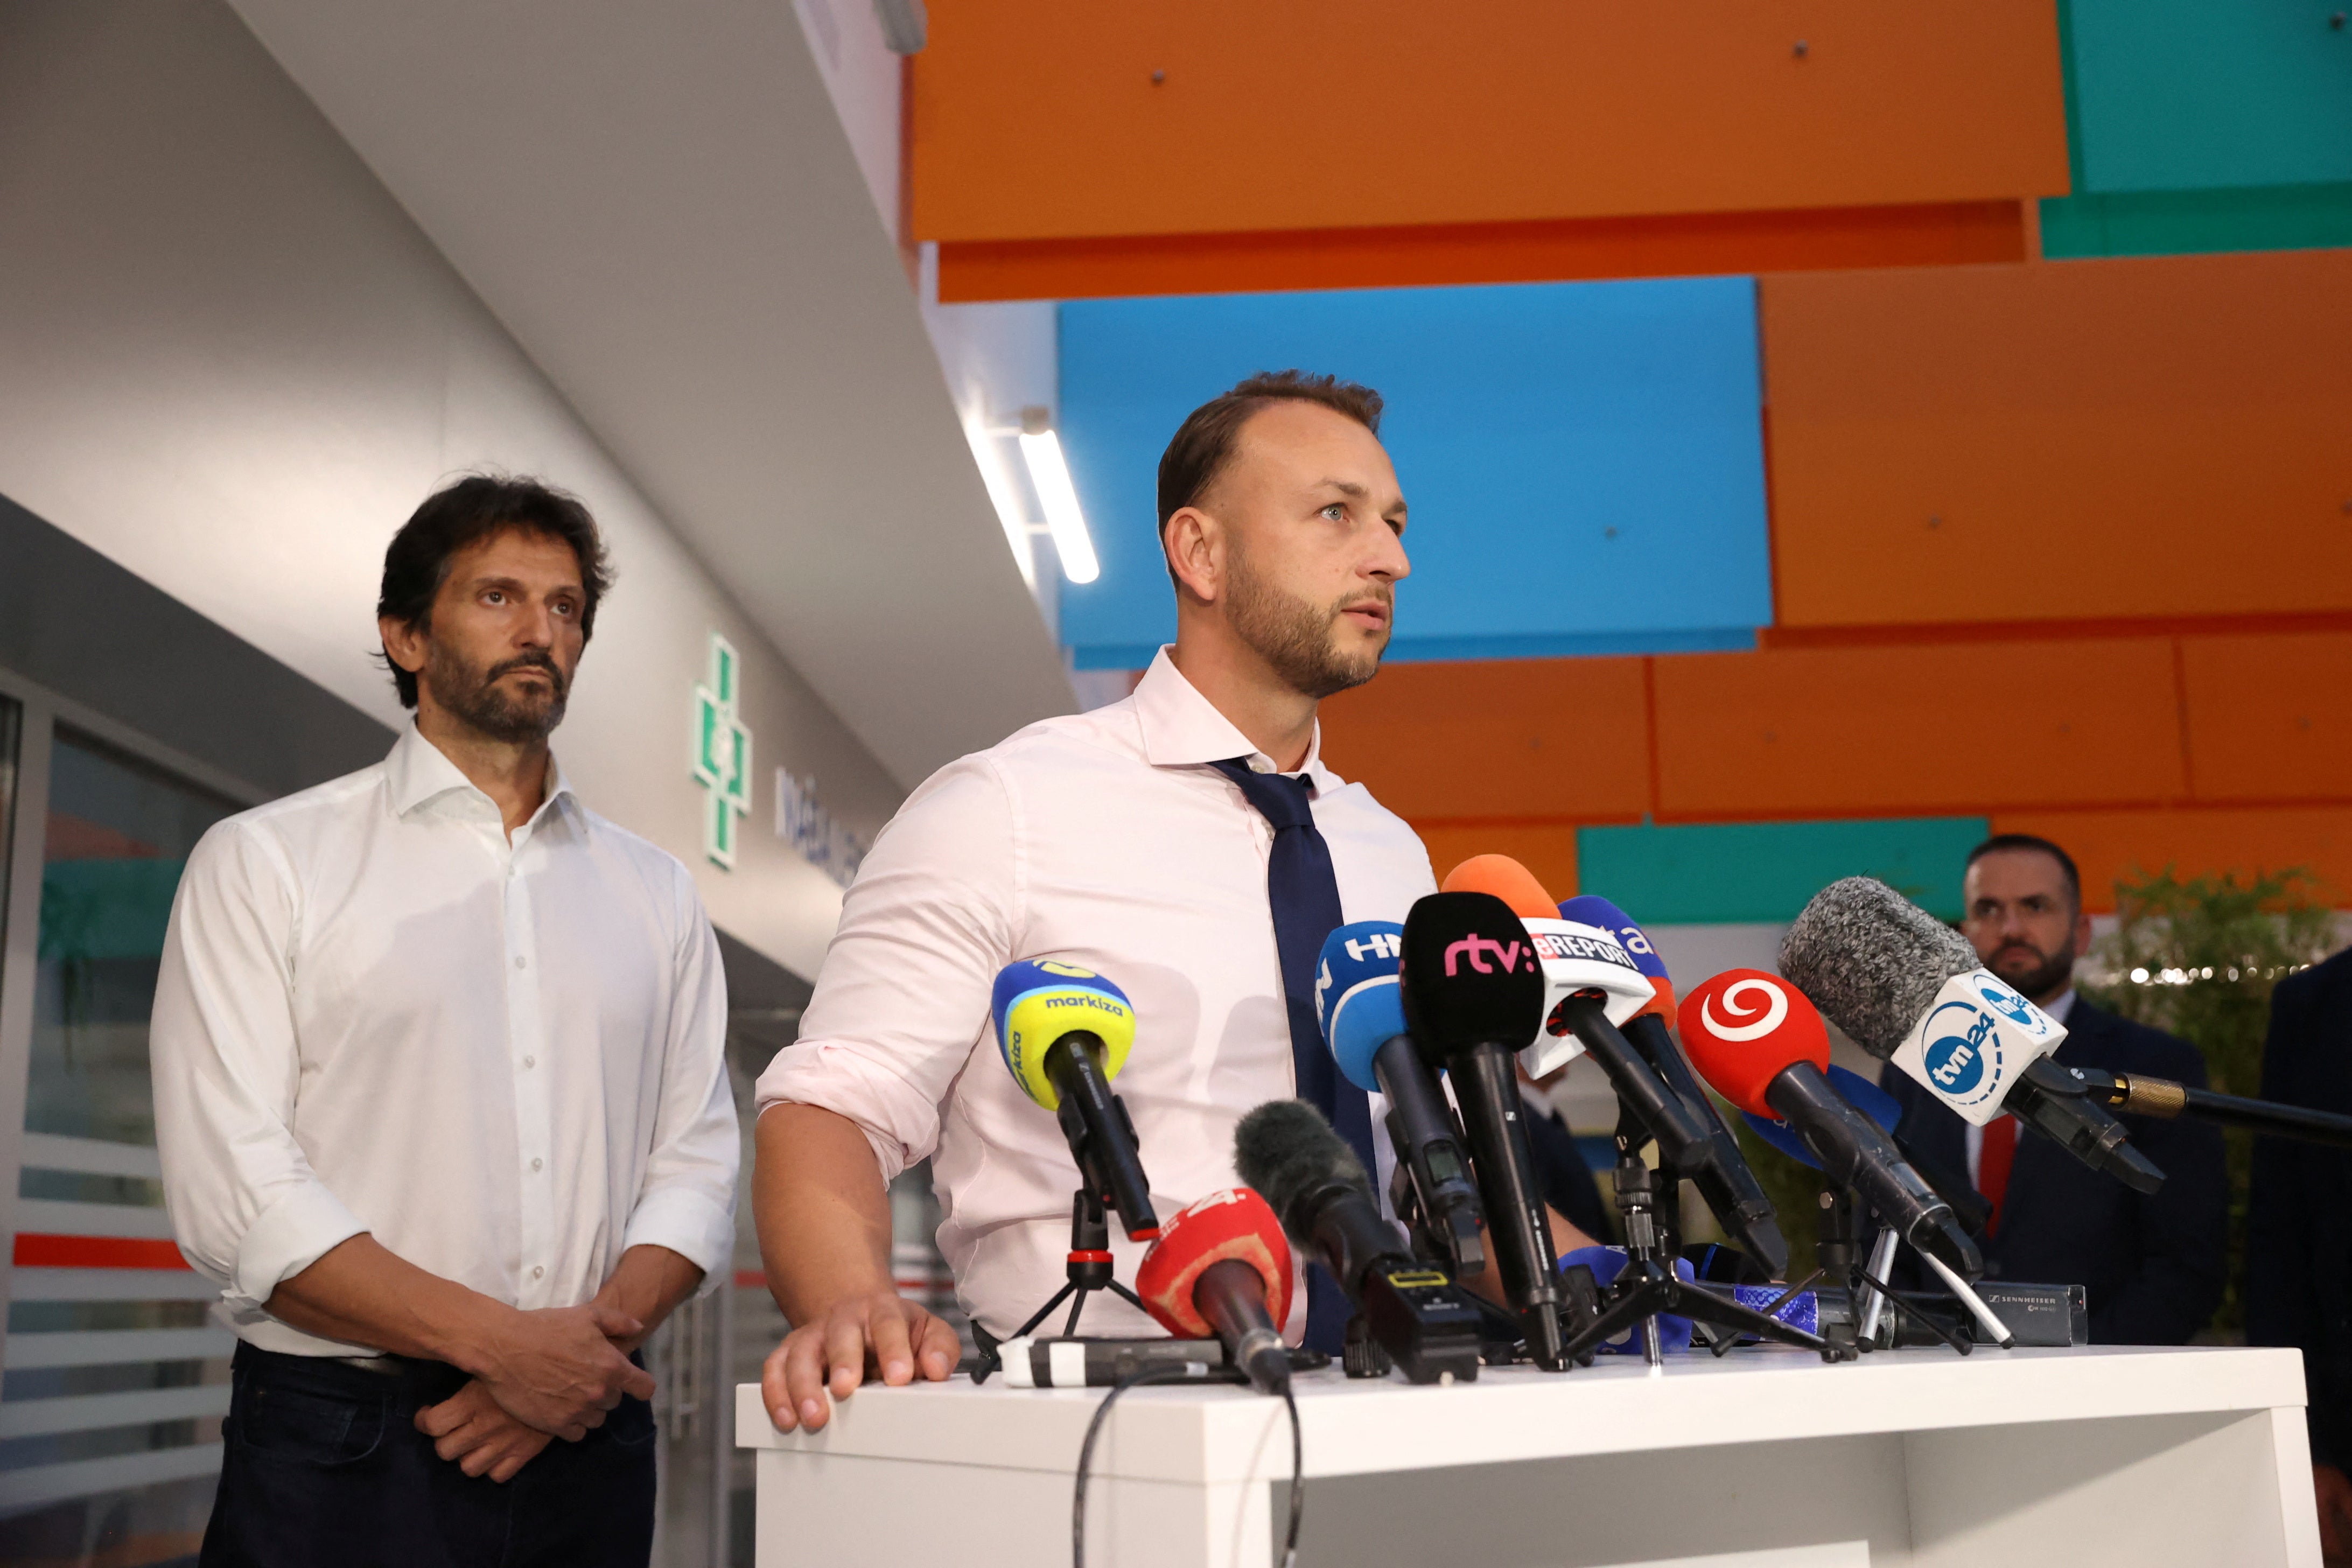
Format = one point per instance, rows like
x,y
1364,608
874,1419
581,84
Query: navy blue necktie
x,y
1304,896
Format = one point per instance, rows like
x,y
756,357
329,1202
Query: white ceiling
x,y
661,205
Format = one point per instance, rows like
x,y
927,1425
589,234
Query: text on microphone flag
x,y
1976,1040
1038,1002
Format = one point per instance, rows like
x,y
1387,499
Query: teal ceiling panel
x,y
2195,95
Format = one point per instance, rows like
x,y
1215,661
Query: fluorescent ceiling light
x,y
988,455
1041,450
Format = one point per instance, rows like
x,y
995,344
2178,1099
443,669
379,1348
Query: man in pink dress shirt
x,y
1110,840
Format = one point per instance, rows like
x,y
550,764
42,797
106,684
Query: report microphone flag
x,y
1762,1046
1577,959
1910,990
1591,984
1222,1268
1064,1033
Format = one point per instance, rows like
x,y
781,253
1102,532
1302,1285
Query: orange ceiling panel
x,y
2270,718
1056,119
1917,730
2159,437
2109,845
1563,739
1548,849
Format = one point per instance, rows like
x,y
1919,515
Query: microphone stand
x,y
2136,1094
1088,1269
1835,1252
1649,1284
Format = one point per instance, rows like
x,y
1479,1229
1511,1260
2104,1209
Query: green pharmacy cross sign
x,y
722,753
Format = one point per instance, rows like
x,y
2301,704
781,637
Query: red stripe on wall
x,y
34,1251
1543,251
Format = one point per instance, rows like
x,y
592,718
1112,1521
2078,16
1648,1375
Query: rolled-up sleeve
x,y
903,993
246,1207
686,1200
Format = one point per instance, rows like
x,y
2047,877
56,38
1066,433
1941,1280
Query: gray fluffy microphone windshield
x,y
1871,960
1285,1151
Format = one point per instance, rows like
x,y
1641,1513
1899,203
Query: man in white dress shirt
x,y
1119,840
441,1096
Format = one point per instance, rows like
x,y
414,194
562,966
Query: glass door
x,y
115,1377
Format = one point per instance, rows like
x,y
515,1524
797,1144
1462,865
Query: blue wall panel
x,y
1584,462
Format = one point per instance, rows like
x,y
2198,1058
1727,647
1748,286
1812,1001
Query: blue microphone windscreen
x,y
1860,1092
1592,910
1356,995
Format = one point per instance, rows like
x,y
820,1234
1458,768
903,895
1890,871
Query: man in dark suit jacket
x,y
2299,1231
2152,1267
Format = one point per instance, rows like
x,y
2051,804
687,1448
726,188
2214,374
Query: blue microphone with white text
x,y
1362,1013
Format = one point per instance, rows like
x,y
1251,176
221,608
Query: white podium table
x,y
1764,1459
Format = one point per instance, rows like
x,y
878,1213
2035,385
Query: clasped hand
x,y
549,1374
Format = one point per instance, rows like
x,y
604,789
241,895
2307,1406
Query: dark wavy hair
x,y
480,507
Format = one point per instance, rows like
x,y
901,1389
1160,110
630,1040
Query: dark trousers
x,y
324,1464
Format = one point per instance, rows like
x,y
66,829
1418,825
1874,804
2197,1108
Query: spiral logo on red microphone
x,y
1752,1008
1744,1027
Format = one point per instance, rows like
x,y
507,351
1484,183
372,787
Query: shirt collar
x,y
1181,728
2061,1005
420,773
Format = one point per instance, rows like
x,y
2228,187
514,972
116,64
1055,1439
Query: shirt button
x,y
537,1272
534,1164
531,1061
522,962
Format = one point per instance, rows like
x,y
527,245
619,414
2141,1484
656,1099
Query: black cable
x,y
1179,1373
1297,1482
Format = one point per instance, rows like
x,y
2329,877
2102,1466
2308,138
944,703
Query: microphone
x,y
1968,1205
1064,1033
1577,958
1222,1267
1716,1167
1760,1042
1590,985
1473,996
1358,1000
1311,1178
1910,990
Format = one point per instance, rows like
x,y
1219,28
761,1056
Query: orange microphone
x,y
1222,1268
1507,881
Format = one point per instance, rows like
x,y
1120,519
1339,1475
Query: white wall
x,y
998,358
864,80
229,362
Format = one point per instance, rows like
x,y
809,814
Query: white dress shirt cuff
x,y
294,1232
690,1224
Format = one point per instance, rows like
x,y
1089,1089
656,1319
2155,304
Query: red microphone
x,y
1222,1267
1744,1028
1763,1046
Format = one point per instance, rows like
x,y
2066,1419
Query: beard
x,y
1294,637
2031,972
472,695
